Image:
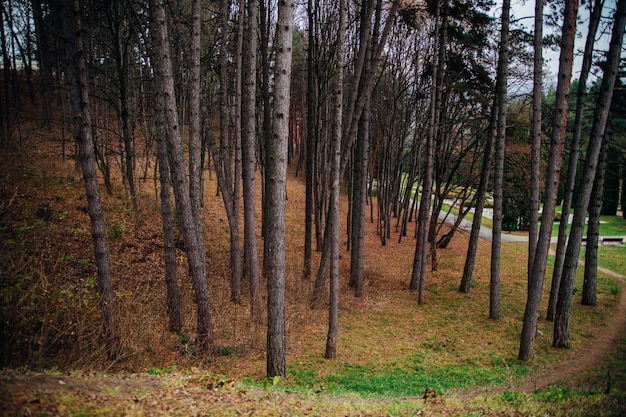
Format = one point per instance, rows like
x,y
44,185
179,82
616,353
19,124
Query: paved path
x,y
487,234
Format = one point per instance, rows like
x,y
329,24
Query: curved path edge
x,y
575,362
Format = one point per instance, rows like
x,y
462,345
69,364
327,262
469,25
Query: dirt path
x,y
591,353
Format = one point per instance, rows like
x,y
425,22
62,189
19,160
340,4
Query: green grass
x,y
409,378
609,226
612,258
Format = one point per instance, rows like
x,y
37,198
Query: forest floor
x,y
47,271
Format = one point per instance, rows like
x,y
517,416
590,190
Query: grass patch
x,y
612,258
409,378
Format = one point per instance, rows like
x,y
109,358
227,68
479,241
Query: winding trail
x,y
585,357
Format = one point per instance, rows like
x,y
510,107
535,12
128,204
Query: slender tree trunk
x,y
171,284
535,283
310,140
564,302
368,85
593,228
472,247
266,123
195,168
333,309
574,153
418,275
194,242
77,77
276,197
359,201
249,156
535,156
223,158
503,68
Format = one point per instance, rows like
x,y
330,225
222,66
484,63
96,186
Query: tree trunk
x,y
368,85
333,308
593,228
194,242
564,302
195,168
503,68
171,284
249,156
310,141
223,158
574,153
535,282
472,247
77,77
535,158
418,274
359,201
610,193
276,198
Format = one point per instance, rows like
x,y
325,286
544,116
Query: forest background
x,y
343,135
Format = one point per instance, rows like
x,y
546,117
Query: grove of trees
x,y
413,108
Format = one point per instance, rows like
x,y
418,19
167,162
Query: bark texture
x,y
276,196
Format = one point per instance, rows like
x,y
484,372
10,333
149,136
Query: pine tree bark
x,y
564,302
333,308
472,247
195,169
503,68
248,128
535,282
79,93
418,274
223,157
276,193
572,167
359,201
589,296
194,242
536,131
171,283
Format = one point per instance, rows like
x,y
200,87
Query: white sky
x,y
526,8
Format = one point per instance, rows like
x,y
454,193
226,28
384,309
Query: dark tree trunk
x,y
359,201
171,283
223,158
593,228
472,247
351,125
77,77
535,158
503,68
276,197
249,156
311,122
195,168
194,242
333,307
564,302
610,193
535,282
418,274
572,166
